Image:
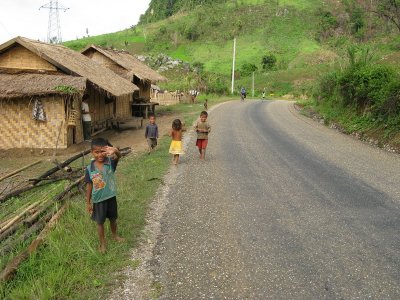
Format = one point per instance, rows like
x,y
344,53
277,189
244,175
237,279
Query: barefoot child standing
x,y
101,188
203,129
151,133
176,144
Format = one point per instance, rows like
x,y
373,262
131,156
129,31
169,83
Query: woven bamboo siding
x,y
97,103
18,130
144,88
74,134
108,63
19,57
123,107
105,61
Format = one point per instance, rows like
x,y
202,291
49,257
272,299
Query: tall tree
x,y
390,10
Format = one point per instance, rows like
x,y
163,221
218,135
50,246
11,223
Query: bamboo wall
x,y
106,62
123,107
19,57
168,98
18,130
97,102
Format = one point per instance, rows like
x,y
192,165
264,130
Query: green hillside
x,y
307,38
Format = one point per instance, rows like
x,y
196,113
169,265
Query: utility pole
x,y
253,87
233,65
54,28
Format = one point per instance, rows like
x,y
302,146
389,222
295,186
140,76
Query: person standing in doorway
x,y
86,119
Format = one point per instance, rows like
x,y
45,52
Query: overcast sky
x,y
23,17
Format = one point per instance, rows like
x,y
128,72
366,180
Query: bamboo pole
x,y
15,219
32,219
8,247
10,231
20,170
12,266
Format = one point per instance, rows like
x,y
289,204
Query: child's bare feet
x,y
118,239
102,249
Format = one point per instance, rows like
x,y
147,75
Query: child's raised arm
x,y
114,152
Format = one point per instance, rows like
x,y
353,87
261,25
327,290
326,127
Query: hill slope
x,y
305,36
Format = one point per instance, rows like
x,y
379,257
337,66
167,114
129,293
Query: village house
x,y
129,67
41,90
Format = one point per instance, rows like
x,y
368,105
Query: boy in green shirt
x,y
101,188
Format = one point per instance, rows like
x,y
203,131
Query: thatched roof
x,y
131,64
24,85
76,64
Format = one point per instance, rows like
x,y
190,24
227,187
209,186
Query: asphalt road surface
x,y
282,208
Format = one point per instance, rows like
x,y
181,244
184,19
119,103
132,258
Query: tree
x,y
268,61
390,9
247,69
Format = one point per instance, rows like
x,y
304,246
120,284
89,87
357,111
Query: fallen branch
x,y
12,266
15,193
19,170
69,188
58,167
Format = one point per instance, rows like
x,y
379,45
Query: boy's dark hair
x,y
204,113
100,142
152,115
177,124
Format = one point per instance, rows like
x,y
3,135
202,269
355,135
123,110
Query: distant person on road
x,y
206,105
243,93
263,95
151,133
202,128
176,147
101,189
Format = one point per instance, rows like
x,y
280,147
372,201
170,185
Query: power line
x,y
54,28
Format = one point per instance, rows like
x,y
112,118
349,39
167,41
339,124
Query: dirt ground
x,y
129,135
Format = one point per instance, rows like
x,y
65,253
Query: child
x,y
151,133
176,144
203,129
206,105
101,189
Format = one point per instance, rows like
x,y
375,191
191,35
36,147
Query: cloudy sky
x,y
23,17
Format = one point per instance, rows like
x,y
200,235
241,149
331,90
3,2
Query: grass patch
x,y
69,266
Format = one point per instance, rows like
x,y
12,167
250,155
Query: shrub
x,y
327,87
268,61
365,85
191,33
248,68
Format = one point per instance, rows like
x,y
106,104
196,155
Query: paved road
x,y
283,208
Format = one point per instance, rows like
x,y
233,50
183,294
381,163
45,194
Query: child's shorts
x,y
152,142
202,143
105,209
